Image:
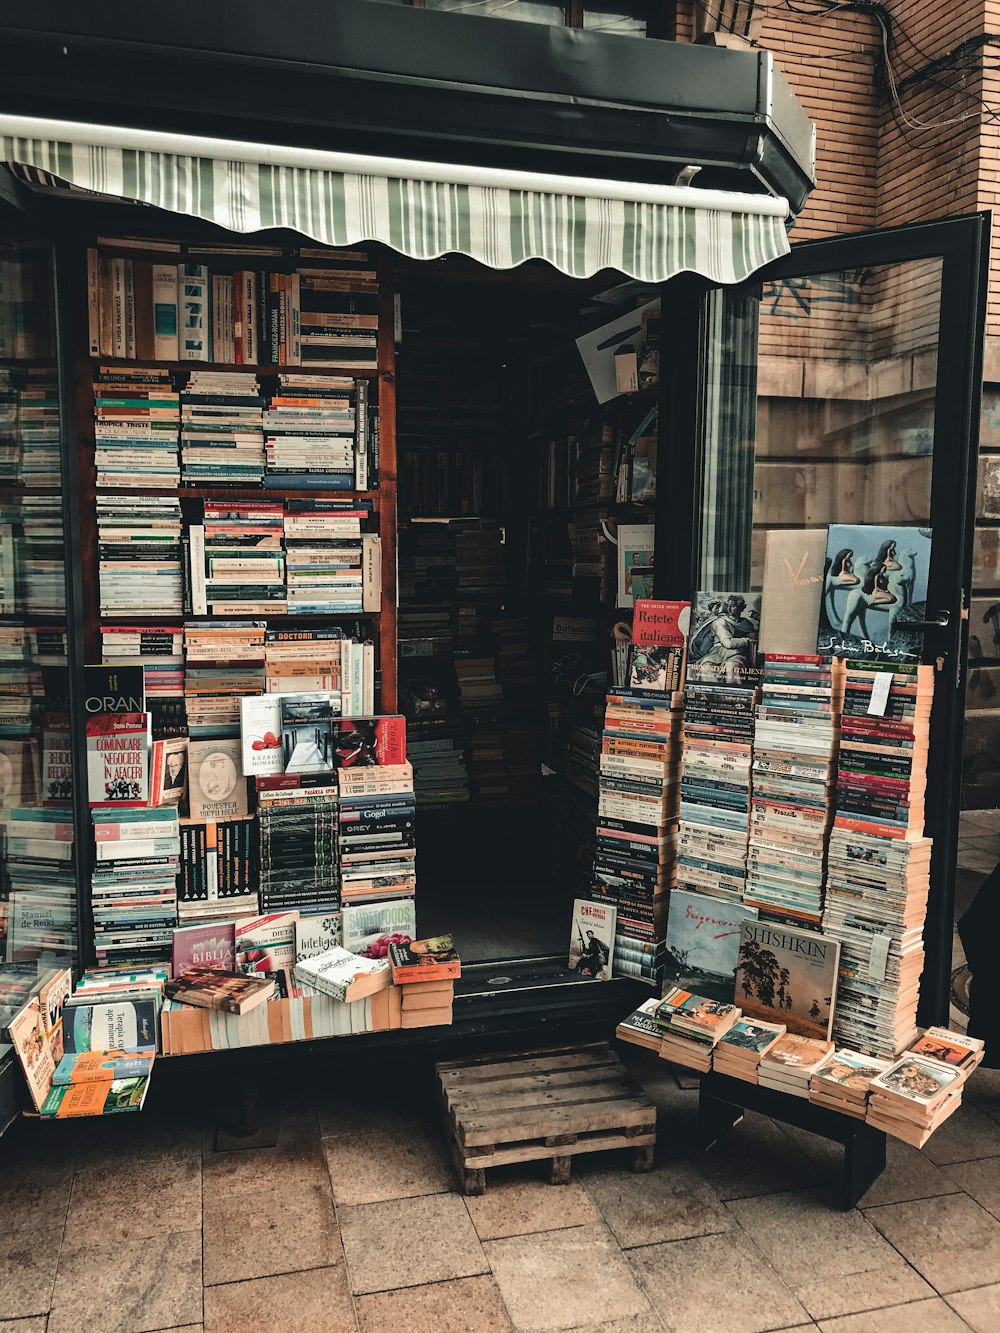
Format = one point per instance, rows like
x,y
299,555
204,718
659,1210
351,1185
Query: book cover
x,y
592,939
114,689
432,959
369,742
117,754
127,1025
57,760
746,1035
318,934
307,733
951,1048
875,582
210,945
34,1051
260,734
917,1079
209,988
101,1067
79,1099
369,928
217,788
792,589
659,645
342,975
635,562
168,769
266,943
725,629
703,943
788,976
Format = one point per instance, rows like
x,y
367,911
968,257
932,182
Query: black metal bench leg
x,y
864,1162
715,1118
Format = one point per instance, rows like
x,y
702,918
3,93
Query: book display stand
x,y
722,1101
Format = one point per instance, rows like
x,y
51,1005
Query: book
x,y
703,943
318,934
27,1035
307,733
260,734
102,1067
638,1027
917,1082
211,988
117,755
125,1025
951,1048
370,928
723,645
212,944
95,1098
168,772
217,788
592,939
114,689
658,654
875,582
789,976
635,562
343,975
791,589
432,959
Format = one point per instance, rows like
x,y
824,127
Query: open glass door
x,y
842,386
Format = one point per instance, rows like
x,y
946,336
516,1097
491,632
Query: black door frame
x,y
962,245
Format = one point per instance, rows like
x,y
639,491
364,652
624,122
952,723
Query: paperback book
x,y
592,939
788,976
875,583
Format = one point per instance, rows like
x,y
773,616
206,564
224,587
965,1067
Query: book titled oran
x,y
433,959
210,988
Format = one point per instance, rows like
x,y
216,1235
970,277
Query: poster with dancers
x,y
874,585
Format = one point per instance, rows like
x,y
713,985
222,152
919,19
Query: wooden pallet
x,y
543,1106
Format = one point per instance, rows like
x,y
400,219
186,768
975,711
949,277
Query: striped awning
x,y
424,210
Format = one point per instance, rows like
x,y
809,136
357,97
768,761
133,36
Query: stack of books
x,y
337,317
921,1089
139,546
692,1025
136,419
425,971
795,741
479,689
223,661
309,433
715,789
333,568
378,848
238,559
218,869
39,427
741,1049
489,783
639,1028
10,439
844,1082
134,883
297,814
636,836
304,661
342,975
41,569
479,559
440,774
221,429
39,856
788,1066
160,650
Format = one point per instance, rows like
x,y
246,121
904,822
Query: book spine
x,y
93,304
130,338
118,307
196,560
361,435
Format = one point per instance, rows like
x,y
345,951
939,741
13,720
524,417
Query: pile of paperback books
x,y
919,1091
691,1027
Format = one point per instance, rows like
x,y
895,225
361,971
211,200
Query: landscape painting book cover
x,y
725,631
703,942
875,583
788,976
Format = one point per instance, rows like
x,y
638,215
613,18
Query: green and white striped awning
x,y
424,210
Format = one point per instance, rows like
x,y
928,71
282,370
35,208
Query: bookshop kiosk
x,y
497,181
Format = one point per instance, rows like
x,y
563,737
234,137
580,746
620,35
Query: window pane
x,y
528,11
624,18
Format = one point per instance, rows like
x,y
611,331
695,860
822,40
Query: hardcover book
x,y
635,562
725,629
433,959
703,943
592,939
217,788
788,976
659,645
209,945
209,988
875,582
168,767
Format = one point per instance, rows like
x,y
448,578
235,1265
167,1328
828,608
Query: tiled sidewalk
x,y
353,1222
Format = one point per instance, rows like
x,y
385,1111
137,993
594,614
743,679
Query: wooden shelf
x,y
268,371
237,493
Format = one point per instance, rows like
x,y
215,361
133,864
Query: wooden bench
x,y
547,1106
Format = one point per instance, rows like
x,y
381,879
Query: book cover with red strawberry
x,y
260,731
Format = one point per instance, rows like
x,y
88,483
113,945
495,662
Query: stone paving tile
x,y
387,1164
979,1308
951,1241
135,1200
672,1202
931,1316
715,1284
458,1306
28,1262
573,1278
295,1232
35,1192
806,1237
756,1158
893,1283
23,1325
129,1286
296,1161
909,1174
356,1112
409,1243
964,1137
640,1323
318,1301
518,1200
979,1179
983,1091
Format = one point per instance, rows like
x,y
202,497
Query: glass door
x,y
842,387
